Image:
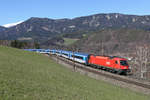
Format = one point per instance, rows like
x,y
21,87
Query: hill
x,y
122,40
43,29
31,76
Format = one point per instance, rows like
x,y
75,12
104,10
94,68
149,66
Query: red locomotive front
x,y
115,64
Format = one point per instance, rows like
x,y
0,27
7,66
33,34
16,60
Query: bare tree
x,y
142,53
102,47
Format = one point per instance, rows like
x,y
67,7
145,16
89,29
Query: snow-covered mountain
x,y
12,24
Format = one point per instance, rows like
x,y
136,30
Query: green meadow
x,y
30,76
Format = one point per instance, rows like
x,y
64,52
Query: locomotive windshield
x,y
123,63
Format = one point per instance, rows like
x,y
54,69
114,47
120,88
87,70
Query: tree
x,y
15,44
19,44
36,45
143,55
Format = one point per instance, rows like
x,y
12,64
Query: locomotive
x,y
112,63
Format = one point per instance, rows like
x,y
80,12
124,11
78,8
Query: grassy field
x,y
30,76
69,41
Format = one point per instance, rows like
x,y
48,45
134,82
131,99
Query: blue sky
x,y
17,10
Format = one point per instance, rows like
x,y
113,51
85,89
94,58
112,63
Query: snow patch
x,y
108,17
12,24
72,26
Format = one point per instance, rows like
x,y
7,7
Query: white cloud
x,y
12,24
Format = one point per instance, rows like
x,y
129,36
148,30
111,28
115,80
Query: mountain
x,y
2,28
43,29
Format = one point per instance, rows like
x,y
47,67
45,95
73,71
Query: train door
x,y
116,64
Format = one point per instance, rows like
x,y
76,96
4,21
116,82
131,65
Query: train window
x,y
77,57
65,54
123,63
116,62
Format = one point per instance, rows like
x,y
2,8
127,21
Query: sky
x,y
20,10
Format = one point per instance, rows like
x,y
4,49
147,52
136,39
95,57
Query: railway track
x,y
141,85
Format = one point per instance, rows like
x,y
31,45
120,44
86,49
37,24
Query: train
x,y
114,64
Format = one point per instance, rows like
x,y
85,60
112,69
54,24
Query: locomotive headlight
x,y
125,67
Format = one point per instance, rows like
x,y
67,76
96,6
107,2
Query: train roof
x,y
75,53
38,50
82,54
109,57
66,51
